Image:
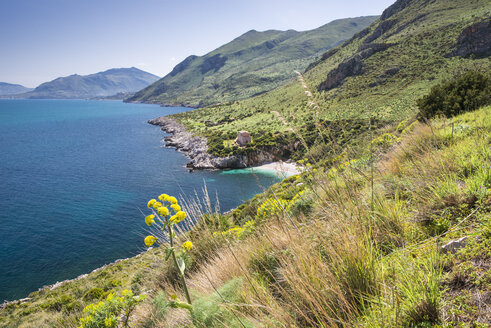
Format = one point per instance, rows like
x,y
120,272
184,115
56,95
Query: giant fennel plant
x,y
166,213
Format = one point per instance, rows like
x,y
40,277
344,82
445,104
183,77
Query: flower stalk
x,y
168,212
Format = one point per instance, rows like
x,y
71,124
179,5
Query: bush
x,y
59,303
93,294
113,312
465,93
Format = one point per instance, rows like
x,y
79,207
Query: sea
x,y
75,177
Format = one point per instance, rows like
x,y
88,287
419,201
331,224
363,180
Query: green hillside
x,y
100,84
251,64
390,227
379,73
358,244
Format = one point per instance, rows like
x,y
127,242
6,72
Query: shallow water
x,y
74,175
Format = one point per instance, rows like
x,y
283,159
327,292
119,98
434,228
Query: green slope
x,y
100,84
251,64
378,73
430,188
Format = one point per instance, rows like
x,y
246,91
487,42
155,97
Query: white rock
x,y
454,245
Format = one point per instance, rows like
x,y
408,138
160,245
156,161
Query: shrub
x,y
59,303
108,313
465,93
93,294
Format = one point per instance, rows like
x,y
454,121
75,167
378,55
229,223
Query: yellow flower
x,y
164,211
151,202
127,292
150,240
187,245
164,197
156,205
176,207
181,215
178,217
173,200
110,322
149,219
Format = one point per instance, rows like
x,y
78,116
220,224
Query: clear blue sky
x,y
44,39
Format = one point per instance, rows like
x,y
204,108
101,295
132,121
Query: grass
x,y
353,243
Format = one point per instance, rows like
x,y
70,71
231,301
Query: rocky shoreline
x,y
196,148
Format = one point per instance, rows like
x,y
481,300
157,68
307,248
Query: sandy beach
x,y
282,169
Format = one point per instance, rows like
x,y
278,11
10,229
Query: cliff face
x,y
475,40
196,148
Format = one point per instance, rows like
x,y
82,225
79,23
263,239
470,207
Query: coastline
x,y
196,148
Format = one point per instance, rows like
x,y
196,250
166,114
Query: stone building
x,y
243,138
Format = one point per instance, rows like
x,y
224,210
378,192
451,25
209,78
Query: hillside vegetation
x,y
251,64
388,225
358,243
100,84
378,74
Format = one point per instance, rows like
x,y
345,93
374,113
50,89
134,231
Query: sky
x,y
41,40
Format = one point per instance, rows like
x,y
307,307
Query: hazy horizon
x,y
46,40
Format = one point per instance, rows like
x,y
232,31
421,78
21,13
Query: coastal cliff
x,y
196,148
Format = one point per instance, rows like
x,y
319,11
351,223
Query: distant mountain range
x,y
10,89
251,64
102,84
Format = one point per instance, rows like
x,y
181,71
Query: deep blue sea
x,y
73,176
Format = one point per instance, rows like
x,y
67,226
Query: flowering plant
x,y
114,311
166,212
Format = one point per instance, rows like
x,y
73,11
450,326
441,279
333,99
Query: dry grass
x,y
364,254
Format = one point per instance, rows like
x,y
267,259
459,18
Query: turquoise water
x,y
74,175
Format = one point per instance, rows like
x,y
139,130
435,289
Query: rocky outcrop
x,y
396,7
368,49
454,245
196,148
474,40
351,67
380,30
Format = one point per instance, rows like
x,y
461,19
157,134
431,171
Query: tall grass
x,y
352,243
364,255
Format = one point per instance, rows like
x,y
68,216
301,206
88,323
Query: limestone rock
x,y
454,245
474,40
196,148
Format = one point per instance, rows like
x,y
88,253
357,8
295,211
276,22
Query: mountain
x,y
11,89
377,74
100,84
251,64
